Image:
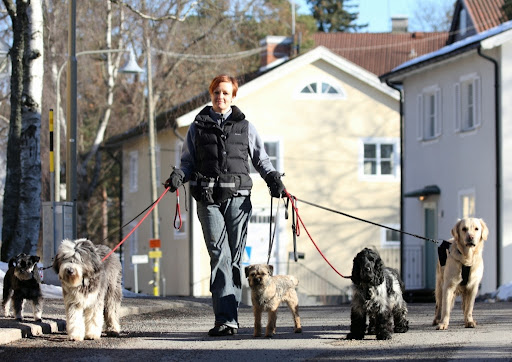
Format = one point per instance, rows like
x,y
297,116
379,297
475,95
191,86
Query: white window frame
x,y
395,160
279,163
470,195
468,116
133,171
390,244
341,94
429,113
133,241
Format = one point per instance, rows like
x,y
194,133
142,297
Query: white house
x,y
457,145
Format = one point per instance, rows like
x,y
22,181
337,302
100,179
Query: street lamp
x,y
130,67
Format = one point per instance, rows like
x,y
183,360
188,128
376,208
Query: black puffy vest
x,y
221,156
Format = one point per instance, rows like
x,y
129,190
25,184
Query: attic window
x,y
321,89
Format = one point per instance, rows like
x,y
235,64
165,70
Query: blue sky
x,y
378,13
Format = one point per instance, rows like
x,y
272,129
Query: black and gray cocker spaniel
x,y
377,293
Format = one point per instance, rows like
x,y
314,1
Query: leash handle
x,y
296,232
307,232
177,214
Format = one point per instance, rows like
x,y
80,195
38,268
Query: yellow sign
x,y
155,254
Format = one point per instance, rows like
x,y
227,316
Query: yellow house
x,y
333,128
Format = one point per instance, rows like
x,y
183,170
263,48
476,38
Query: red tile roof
x,y
486,14
381,52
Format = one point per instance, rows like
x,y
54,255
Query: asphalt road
x,y
179,333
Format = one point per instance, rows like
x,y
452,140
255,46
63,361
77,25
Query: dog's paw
x,y
442,326
383,336
93,336
112,334
470,324
355,336
298,330
75,337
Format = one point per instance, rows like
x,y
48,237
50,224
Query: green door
x,y
430,247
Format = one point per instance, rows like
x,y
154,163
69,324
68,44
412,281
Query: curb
x,y
12,330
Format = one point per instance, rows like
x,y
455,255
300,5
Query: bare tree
x,y
432,15
22,195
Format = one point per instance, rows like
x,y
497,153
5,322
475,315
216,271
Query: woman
x,y
215,160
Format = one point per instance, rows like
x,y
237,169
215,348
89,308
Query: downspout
x,y
497,141
401,110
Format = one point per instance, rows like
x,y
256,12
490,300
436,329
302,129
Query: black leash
x,y
437,241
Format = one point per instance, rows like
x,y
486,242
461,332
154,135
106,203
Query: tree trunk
x,y
13,172
22,201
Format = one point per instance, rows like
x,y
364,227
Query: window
x,y
391,238
133,171
379,158
320,89
467,103
467,203
463,27
429,114
273,148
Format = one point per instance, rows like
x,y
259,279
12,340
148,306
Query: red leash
x,y
136,226
292,198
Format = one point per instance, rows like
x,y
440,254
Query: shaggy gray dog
x,y
377,293
91,288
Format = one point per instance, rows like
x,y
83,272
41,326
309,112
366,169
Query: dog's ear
x,y
12,262
35,259
356,271
379,270
485,230
455,230
56,264
247,271
271,270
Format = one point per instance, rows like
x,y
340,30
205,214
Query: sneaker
x,y
222,330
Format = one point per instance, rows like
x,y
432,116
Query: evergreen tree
x,y
333,15
507,10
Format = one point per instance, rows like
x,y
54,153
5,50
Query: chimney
x,y
399,24
277,50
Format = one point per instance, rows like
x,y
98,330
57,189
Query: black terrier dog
x,y
22,281
377,294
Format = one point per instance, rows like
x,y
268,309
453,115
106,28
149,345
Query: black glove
x,y
175,180
274,183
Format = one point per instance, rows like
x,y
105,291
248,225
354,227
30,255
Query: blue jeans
x,y
225,233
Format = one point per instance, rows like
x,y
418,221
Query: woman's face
x,y
222,97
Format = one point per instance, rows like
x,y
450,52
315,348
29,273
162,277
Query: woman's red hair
x,y
221,79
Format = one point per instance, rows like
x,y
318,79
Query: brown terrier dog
x,y
267,293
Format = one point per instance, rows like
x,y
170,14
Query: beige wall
x,y
320,162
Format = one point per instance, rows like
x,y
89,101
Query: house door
x,y
430,218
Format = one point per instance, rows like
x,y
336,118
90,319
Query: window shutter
x,y
419,120
438,128
477,99
457,110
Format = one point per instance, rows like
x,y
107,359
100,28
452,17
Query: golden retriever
x,y
462,271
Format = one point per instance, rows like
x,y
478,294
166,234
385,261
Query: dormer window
x,y
463,25
321,89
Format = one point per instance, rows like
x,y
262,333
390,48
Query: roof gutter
x,y
497,142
